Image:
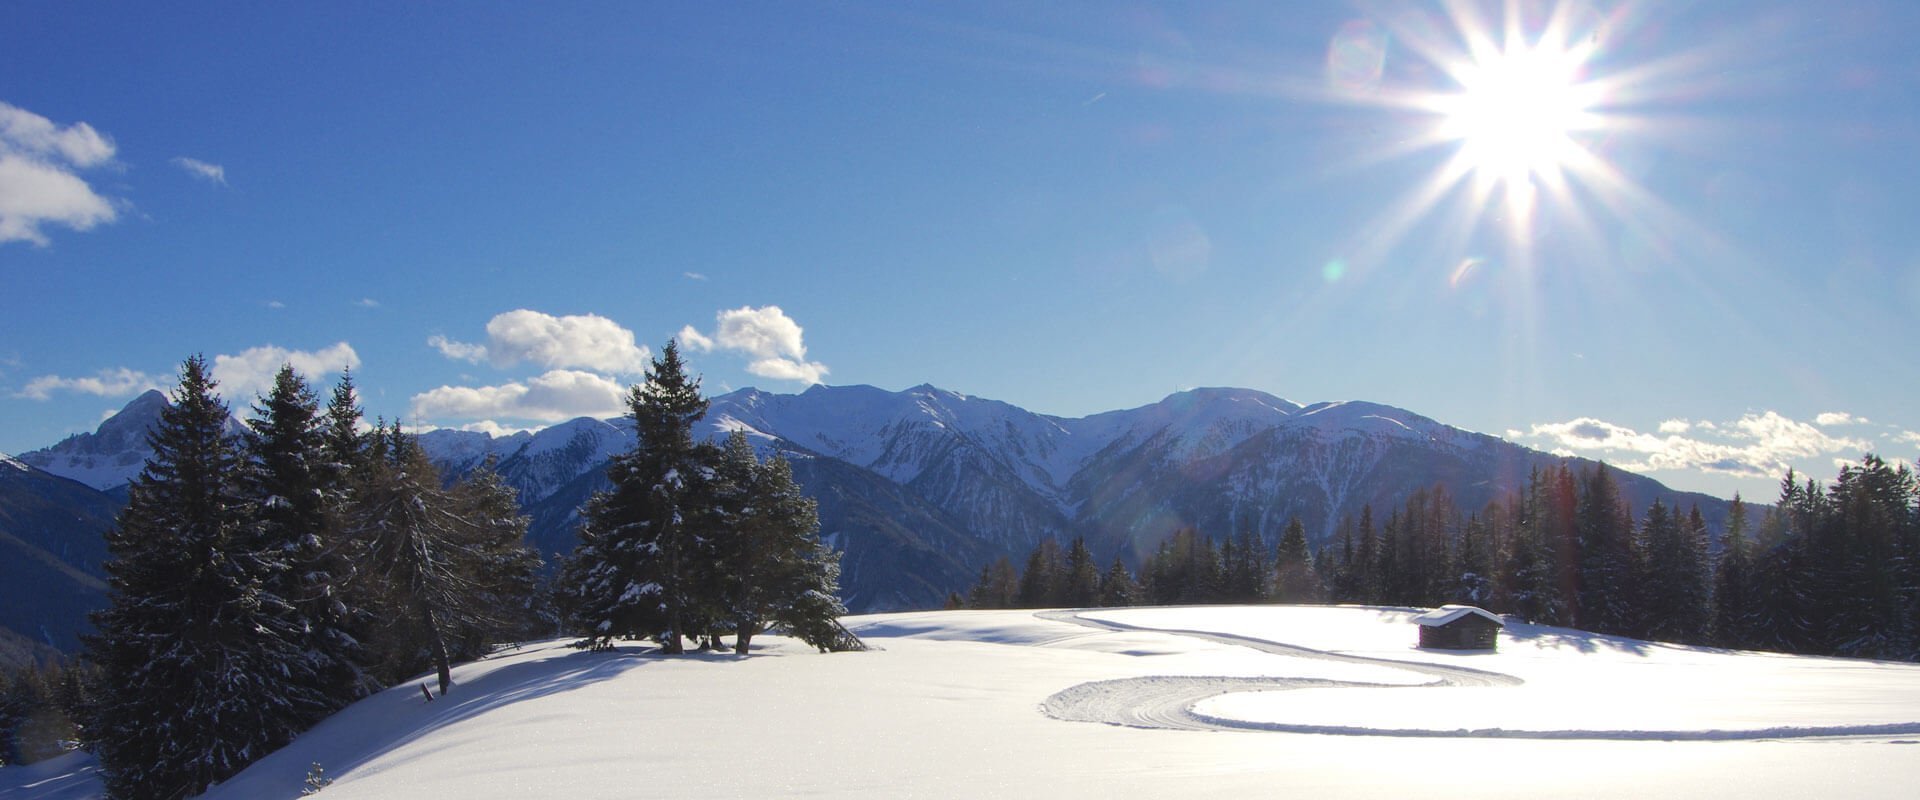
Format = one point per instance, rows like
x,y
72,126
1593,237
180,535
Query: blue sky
x,y
496,212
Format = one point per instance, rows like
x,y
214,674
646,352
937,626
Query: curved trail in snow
x,y
1167,701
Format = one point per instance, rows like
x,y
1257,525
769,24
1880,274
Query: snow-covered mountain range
x,y
919,488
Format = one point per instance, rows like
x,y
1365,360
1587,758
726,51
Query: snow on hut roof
x,y
1447,614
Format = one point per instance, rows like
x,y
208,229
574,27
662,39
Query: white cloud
x,y
38,184
117,382
1755,445
367,302
494,429
458,351
694,276
1831,418
695,340
276,304
767,336
1910,437
250,372
556,396
211,173
30,134
586,341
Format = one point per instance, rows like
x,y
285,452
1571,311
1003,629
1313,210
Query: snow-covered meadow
x,y
1204,701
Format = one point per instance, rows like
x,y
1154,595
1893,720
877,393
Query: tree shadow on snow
x,y
1568,639
399,715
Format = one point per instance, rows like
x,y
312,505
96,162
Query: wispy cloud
x,y
585,341
115,382
769,338
39,181
367,302
556,396
276,304
211,173
1832,418
694,276
1755,445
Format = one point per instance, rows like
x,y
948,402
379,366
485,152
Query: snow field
x,y
952,704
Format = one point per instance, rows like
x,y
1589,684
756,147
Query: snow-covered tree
x,y
199,673
633,572
764,539
297,500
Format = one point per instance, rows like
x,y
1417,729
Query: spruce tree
x,y
633,572
997,587
1607,557
1043,579
1733,582
772,568
288,479
1474,584
1119,588
1082,578
199,673
1295,580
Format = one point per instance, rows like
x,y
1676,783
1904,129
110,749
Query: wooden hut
x,y
1458,628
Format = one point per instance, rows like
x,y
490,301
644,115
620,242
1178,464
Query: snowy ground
x,y
1324,702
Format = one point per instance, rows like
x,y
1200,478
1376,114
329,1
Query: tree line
x,y
260,582
1826,570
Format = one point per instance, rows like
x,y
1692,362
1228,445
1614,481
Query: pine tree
x,y
288,479
199,675
1295,580
633,572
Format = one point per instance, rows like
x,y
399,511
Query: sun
x,y
1516,114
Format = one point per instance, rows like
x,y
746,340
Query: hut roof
x,y
1447,614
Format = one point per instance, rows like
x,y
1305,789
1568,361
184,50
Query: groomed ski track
x,y
1167,702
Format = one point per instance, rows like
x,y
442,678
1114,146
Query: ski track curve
x,y
1166,702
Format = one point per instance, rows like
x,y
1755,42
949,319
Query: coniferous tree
x,y
1606,602
287,477
632,573
1082,577
1042,580
1474,584
1674,586
1733,594
1557,515
1119,588
1184,569
199,674
1369,585
773,568
1294,579
449,571
997,587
